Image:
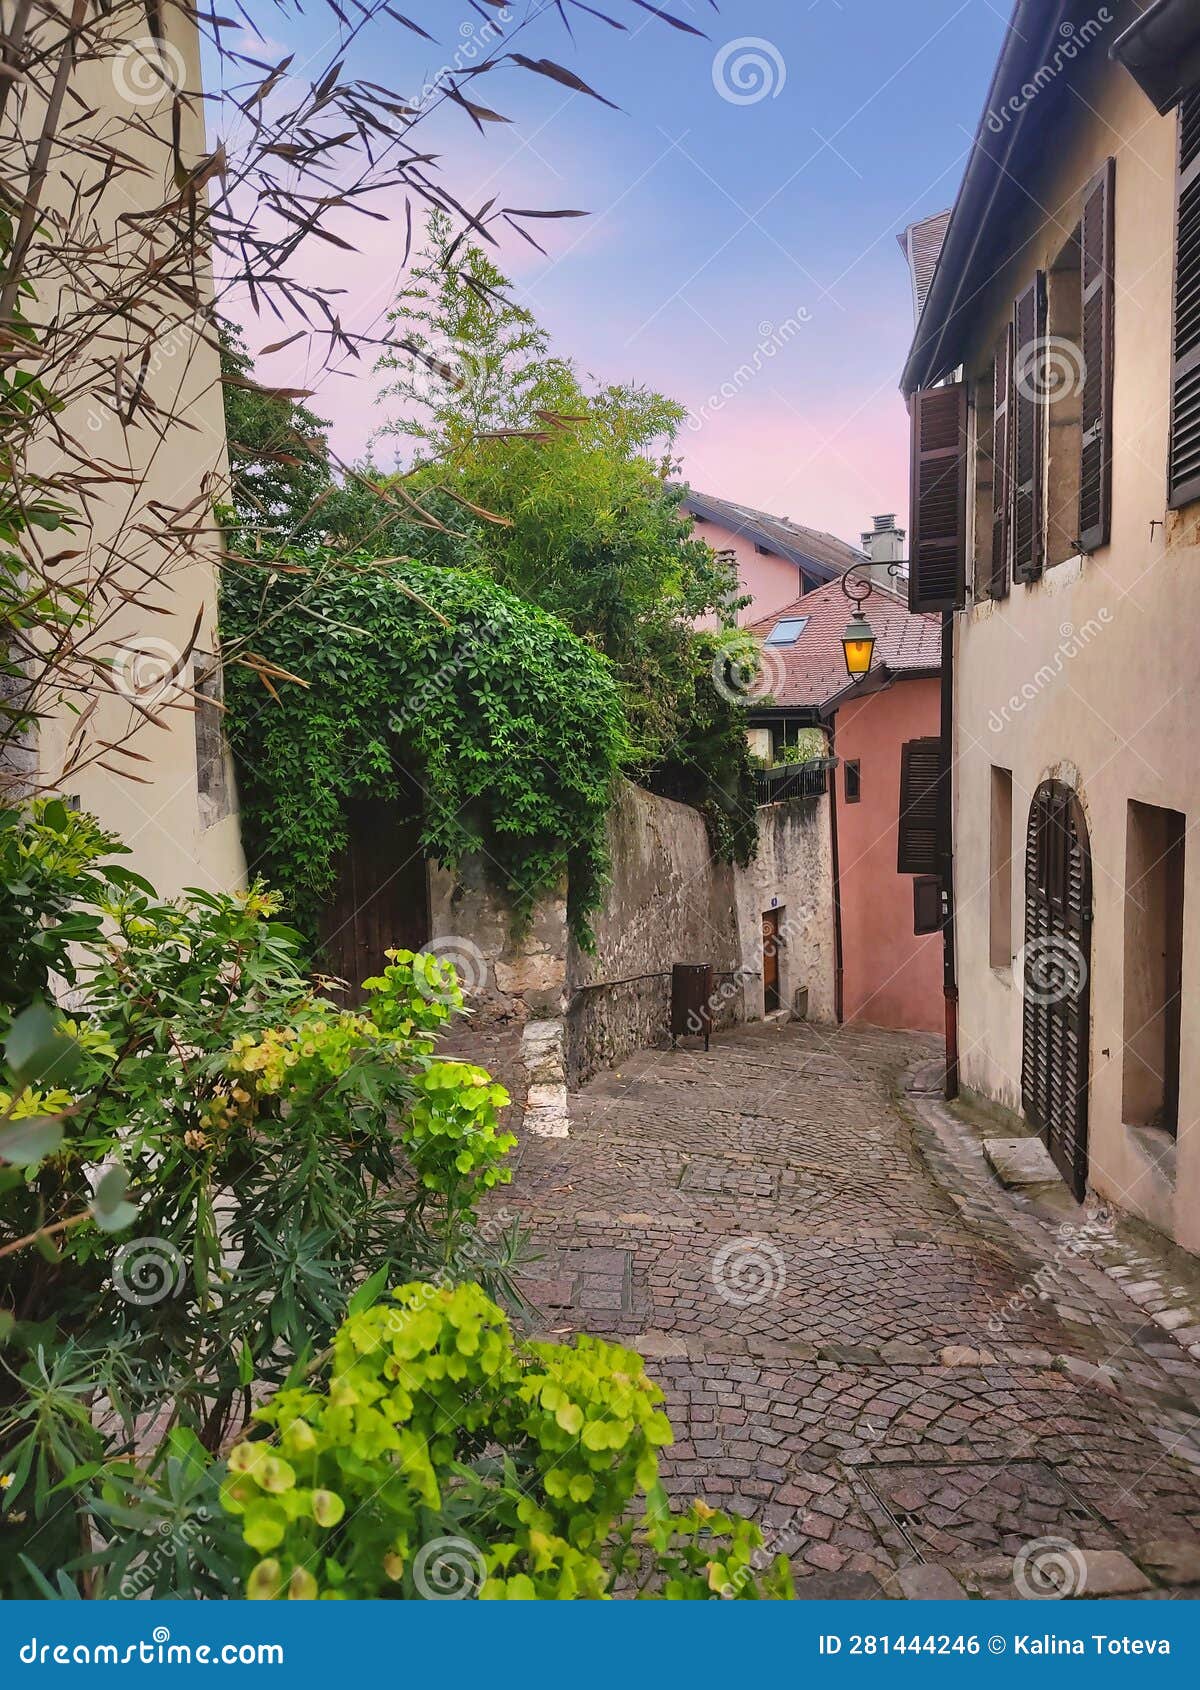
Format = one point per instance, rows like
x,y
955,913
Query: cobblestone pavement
x,y
914,1381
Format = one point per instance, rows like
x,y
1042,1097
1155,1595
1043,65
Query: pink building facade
x,y
888,941
891,975
777,560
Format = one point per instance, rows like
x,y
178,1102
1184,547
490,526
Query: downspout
x,y
946,829
838,966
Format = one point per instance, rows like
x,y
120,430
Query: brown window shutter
x,y
938,547
1028,412
920,807
1002,402
1185,381
927,904
1099,300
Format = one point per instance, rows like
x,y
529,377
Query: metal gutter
x,y
1161,51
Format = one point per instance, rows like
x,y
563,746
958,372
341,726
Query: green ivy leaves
x,y
512,726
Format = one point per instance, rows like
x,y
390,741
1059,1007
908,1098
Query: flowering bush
x,y
442,1453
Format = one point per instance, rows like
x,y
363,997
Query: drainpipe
x,y
946,828
838,966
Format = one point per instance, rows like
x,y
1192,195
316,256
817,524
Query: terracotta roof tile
x,y
813,670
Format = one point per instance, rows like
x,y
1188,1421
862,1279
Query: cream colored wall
x,y
159,814
1089,676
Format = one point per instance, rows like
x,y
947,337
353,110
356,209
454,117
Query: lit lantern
x,y
858,644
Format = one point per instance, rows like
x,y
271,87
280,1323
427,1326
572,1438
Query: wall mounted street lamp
x,y
858,642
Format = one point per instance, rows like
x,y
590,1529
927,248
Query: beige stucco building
x,y
158,461
1055,382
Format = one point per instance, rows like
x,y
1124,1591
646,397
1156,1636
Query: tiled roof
x,y
822,554
921,244
813,670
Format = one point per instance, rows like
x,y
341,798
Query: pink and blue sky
x,y
720,226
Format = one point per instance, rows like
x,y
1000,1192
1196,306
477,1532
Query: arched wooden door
x,y
1056,974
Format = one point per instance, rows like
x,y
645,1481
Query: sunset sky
x,y
720,227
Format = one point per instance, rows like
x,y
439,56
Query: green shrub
x,y
443,1458
198,1168
513,726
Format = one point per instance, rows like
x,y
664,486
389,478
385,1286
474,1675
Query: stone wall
x,y
471,925
793,874
668,902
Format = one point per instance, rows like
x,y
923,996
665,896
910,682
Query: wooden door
x,y
1056,967
770,933
381,901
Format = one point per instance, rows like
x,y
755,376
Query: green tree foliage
x,y
589,526
511,725
278,450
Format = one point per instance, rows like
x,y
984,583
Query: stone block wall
x,y
668,902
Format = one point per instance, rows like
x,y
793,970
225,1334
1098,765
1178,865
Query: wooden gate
x,y
381,901
1056,978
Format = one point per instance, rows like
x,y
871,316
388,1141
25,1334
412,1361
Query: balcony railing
x,y
794,780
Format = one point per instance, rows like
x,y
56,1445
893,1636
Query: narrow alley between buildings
x,y
920,1384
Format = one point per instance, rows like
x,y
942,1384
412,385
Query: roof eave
x,y
790,554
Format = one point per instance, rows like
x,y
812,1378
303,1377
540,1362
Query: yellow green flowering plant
x,y
443,1457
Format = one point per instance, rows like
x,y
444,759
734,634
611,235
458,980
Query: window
x,y
1154,856
1000,911
1028,412
853,782
1097,313
788,631
212,784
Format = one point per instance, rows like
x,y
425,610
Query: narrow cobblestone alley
x,y
843,1335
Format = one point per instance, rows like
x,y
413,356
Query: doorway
x,y
1056,979
381,900
772,998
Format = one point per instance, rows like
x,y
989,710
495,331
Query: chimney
x,y
884,545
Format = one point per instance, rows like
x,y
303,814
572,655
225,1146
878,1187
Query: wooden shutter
x,y
1185,382
1099,299
1028,412
1001,401
1056,1014
938,548
920,807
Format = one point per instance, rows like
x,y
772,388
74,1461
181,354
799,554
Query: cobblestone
x,y
851,1321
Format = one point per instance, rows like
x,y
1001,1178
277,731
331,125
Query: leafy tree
x,y
563,491
470,360
278,451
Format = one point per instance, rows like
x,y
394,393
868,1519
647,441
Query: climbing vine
x,y
511,726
